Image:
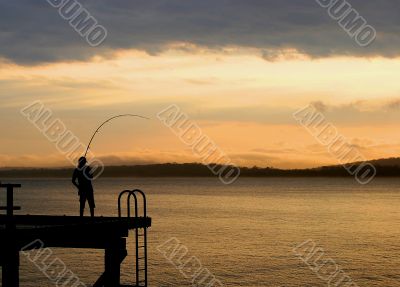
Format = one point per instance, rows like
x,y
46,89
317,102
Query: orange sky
x,y
243,102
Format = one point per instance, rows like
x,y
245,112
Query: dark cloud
x,y
33,32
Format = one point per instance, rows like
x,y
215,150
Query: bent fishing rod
x,y
108,120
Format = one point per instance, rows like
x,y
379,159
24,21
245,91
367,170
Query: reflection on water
x,y
243,233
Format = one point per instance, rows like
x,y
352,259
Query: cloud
x,y
393,104
319,106
32,32
245,158
361,112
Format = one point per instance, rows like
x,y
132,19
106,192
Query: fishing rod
x,y
108,120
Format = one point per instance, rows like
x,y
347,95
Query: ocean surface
x,y
244,233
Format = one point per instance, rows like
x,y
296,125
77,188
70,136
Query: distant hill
x,y
393,161
384,167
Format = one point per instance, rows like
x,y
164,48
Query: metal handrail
x,y
144,201
119,200
130,194
133,193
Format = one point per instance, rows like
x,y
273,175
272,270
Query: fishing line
x,y
108,120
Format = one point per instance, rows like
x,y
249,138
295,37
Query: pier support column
x,y
112,261
10,275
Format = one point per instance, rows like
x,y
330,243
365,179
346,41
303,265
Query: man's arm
x,y
88,172
74,178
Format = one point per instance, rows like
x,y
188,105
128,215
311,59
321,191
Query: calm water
x,y
243,233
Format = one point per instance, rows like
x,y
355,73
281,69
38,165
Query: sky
x,y
239,69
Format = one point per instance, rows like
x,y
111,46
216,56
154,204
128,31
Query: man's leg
x,y
91,204
82,201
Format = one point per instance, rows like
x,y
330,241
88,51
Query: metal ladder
x,y
140,237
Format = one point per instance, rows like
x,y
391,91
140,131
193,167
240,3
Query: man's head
x,y
82,161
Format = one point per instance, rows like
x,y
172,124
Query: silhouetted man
x,y
83,175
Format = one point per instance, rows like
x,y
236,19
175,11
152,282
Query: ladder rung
x,y
14,208
142,269
141,257
141,246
